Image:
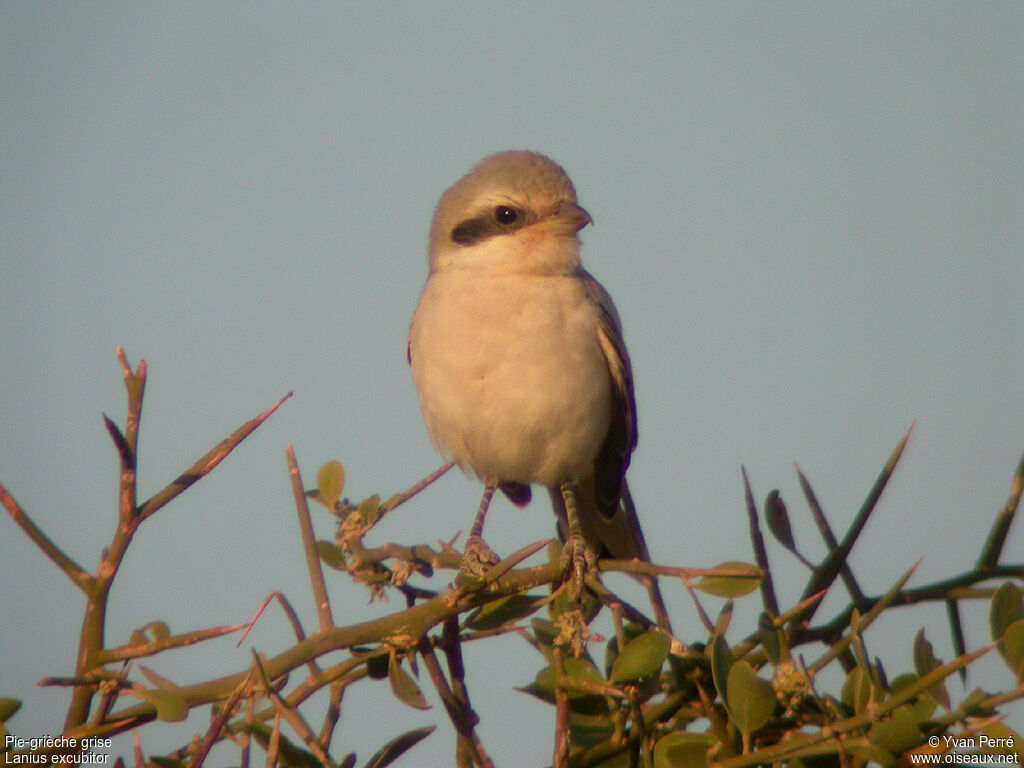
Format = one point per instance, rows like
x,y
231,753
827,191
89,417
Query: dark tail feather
x,y
517,493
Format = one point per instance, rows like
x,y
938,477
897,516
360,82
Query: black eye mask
x,y
500,220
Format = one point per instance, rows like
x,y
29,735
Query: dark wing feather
x,y
613,457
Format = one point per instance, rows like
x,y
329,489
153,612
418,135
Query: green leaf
x,y
398,746
724,619
742,579
152,632
7,708
170,705
330,482
721,663
922,706
897,734
1000,739
924,662
369,509
1012,648
777,517
579,701
751,700
544,634
857,690
621,759
506,610
403,685
158,630
871,755
1007,607
157,680
680,749
641,657
377,664
588,730
630,631
331,555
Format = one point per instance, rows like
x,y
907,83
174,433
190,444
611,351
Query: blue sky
x,y
809,217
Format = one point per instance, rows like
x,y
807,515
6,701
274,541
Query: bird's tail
x,y
619,536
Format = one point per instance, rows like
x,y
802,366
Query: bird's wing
x,y
613,458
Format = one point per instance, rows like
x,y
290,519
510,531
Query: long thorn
x,y
316,573
771,604
78,575
829,569
206,464
856,593
997,536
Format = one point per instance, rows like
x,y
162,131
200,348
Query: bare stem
x,y
78,575
316,573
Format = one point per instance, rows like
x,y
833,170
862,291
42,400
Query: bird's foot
x,y
578,555
477,557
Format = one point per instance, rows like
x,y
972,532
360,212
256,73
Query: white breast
x,y
510,374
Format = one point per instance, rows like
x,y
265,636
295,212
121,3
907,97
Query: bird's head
x,y
513,212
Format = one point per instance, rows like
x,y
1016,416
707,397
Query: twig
x,y
401,629
938,590
561,754
125,652
316,573
332,715
997,536
78,575
91,637
866,620
250,706
418,553
956,629
771,604
130,516
701,613
826,573
140,758
818,514
778,752
110,690
400,498
609,598
293,619
214,731
206,464
651,569
289,612
454,697
295,720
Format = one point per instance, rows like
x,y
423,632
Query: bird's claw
x,y
577,555
477,557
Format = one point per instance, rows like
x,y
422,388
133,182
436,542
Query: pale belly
x,y
510,374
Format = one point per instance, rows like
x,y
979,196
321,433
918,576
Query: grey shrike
x,y
518,357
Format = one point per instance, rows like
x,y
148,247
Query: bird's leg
x,y
575,551
477,556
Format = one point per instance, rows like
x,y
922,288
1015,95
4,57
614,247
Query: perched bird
x,y
518,358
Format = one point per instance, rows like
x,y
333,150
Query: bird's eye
x,y
505,215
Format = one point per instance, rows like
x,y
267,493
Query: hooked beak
x,y
575,216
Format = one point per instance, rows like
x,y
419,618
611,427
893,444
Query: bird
x,y
519,362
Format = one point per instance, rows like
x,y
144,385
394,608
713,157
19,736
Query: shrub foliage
x,y
646,697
